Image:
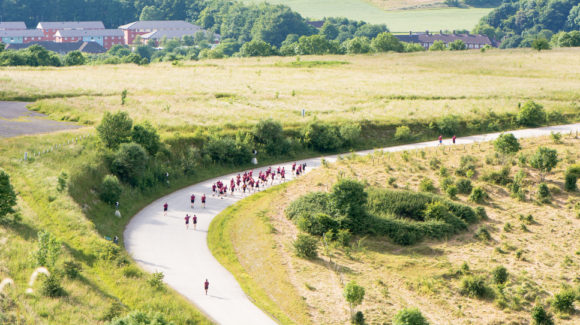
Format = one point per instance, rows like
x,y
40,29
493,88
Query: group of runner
x,y
441,139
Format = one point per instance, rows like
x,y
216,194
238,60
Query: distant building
x,y
12,25
316,23
20,36
63,48
427,39
50,28
140,28
104,37
174,34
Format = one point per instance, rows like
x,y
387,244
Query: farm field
x,y
388,88
535,242
401,21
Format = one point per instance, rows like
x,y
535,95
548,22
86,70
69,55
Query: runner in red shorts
x,y
206,286
165,207
203,200
187,221
194,222
192,200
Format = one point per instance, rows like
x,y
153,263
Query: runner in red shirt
x,y
192,200
440,140
165,207
206,286
203,200
187,221
454,137
194,222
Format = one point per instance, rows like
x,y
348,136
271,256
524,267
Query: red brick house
x,y
50,28
104,37
139,28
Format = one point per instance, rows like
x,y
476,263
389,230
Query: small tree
x,y
544,160
500,275
438,46
409,316
146,135
349,197
563,301
51,287
541,317
306,246
540,44
531,114
457,45
7,196
571,178
74,58
354,295
270,135
506,144
115,129
110,190
403,133
129,163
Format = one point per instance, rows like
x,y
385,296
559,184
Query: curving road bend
x,y
161,243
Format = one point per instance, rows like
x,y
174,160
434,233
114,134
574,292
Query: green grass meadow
x,y
397,21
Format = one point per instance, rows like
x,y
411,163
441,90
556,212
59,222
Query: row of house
x,y
427,39
95,31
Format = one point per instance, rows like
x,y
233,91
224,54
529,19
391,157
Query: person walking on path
x,y
187,221
206,286
194,222
192,199
165,207
203,200
440,140
454,137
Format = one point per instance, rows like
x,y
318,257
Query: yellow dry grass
x,y
240,91
425,275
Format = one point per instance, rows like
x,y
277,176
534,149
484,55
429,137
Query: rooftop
x,y
70,25
160,25
7,25
21,33
84,32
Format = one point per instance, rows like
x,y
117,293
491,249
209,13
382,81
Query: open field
x,y
389,88
541,253
396,21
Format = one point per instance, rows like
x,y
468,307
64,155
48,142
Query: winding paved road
x,y
161,243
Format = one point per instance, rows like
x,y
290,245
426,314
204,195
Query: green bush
x,y
446,182
62,180
343,237
451,191
359,318
501,177
474,286
507,144
482,234
311,203
74,58
572,175
531,114
426,185
544,193
409,316
434,163
131,271
317,224
156,280
478,195
448,125
544,160
146,135
466,165
563,301
129,163
322,137
51,287
350,133
403,133
464,186
110,189
348,199
480,212
227,151
541,317
7,196
268,134
500,275
49,249
72,269
115,129
306,246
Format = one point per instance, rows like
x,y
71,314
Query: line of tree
x,y
521,22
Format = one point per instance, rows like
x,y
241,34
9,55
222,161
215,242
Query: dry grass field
x,y
541,254
388,87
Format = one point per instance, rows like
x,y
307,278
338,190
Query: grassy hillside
x,y
396,21
540,253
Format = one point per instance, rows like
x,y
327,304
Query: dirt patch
x,y
17,120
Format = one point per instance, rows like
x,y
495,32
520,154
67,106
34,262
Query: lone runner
x,y
206,286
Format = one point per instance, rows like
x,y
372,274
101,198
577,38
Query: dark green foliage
x,y
115,310
457,45
448,125
311,203
571,178
385,42
348,199
306,246
359,318
480,212
357,45
451,191
438,211
540,44
343,237
544,159
507,144
156,280
256,48
478,195
322,137
482,234
563,301
129,163
541,317
463,186
426,185
227,151
501,177
141,318
500,275
74,58
269,135
563,39
544,193
317,224
110,189
72,269
33,56
62,180
409,316
434,163
51,287
7,196
350,133
146,135
531,114
474,286
115,128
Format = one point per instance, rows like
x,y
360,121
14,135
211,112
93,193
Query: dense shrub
x,y
507,144
409,316
51,287
563,301
544,193
74,58
317,224
500,275
349,198
311,203
448,125
72,269
350,133
571,178
146,135
531,114
110,189
482,234
403,133
466,165
541,317
463,186
227,151
115,129
359,318
544,160
129,163
343,237
478,195
451,192
306,246
156,280
501,177
269,135
7,196
438,211
426,185
474,286
322,137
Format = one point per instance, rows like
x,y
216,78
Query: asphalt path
x,y
162,243
17,120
